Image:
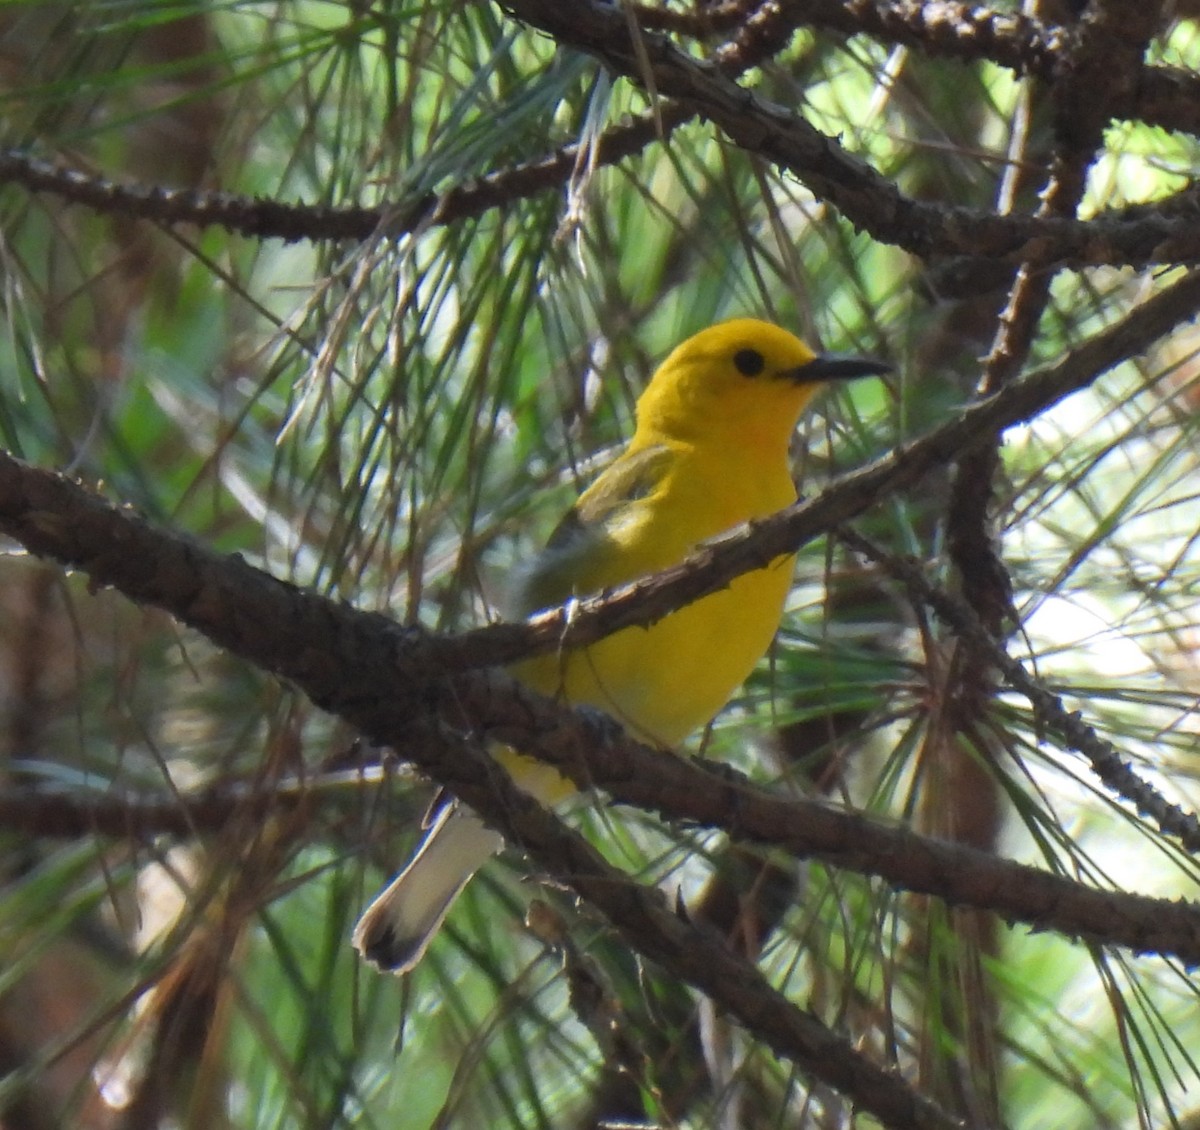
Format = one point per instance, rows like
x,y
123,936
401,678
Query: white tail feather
x,y
396,928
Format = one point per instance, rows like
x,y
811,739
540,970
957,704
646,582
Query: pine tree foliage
x,y
357,297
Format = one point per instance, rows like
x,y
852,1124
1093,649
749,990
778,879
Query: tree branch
x,y
750,547
869,201
388,681
1162,232
393,683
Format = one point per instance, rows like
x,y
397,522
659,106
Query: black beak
x,y
830,367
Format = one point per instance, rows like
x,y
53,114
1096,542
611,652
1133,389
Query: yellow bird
x,y
710,452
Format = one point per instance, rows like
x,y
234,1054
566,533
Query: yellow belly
x,y
664,681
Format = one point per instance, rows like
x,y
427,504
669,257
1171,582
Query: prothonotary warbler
x,y
710,452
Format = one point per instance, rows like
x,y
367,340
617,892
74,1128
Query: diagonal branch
x,y
713,795
52,516
711,568
390,682
869,201
360,666
1160,233
1137,236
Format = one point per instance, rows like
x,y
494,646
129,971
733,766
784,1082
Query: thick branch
x,y
283,630
389,683
713,795
361,667
386,681
1163,232
868,200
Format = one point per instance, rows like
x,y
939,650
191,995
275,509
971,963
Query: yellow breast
x,y
666,680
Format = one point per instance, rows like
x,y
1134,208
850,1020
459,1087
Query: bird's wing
x,y
585,552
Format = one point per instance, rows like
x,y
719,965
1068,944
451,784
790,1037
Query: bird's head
x,y
743,379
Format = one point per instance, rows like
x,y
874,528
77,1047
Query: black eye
x,y
749,362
